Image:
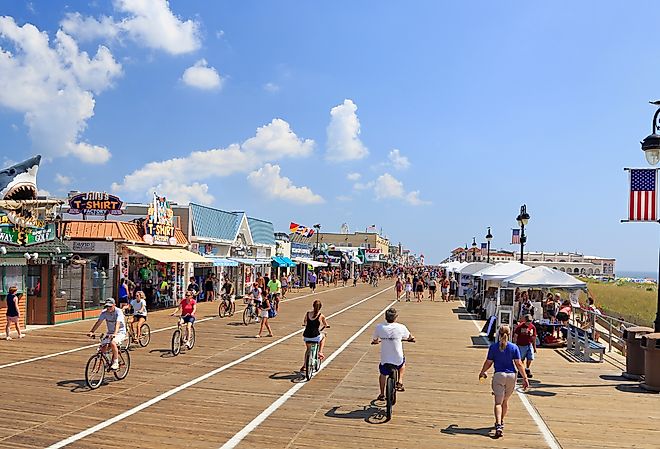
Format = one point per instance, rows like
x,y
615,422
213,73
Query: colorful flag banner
x,y
643,204
484,248
295,228
515,237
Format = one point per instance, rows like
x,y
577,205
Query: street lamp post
x,y
489,237
523,219
651,148
474,249
465,253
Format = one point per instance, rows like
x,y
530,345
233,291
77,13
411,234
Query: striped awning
x,y
222,262
167,254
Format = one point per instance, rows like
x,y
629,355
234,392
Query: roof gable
x,y
262,231
214,223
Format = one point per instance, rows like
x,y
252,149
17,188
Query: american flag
x,y
484,247
643,202
515,237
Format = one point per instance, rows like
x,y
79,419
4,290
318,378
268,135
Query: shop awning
x,y
314,263
222,262
281,261
356,260
167,254
251,261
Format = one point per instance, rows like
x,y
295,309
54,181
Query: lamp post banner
x,y
643,194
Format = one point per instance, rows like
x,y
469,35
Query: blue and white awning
x,y
222,262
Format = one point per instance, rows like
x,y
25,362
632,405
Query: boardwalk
x,y
217,392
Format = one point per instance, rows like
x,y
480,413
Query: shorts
x,y
118,339
526,352
562,316
445,291
312,285
12,319
432,288
551,313
503,385
188,319
263,313
385,372
123,300
316,339
137,316
420,289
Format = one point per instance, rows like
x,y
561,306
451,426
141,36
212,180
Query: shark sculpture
x,y
19,183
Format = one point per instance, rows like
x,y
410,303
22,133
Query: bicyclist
x,y
228,291
139,306
187,309
390,334
256,297
314,322
114,320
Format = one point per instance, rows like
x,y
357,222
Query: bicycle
x,y
145,335
250,313
178,340
390,386
312,361
227,307
101,362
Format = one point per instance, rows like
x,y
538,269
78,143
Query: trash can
x,y
634,352
651,346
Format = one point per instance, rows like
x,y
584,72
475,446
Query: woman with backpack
x,y
265,312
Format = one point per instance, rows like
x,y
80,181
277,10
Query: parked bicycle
x,y
178,337
312,360
250,312
101,362
145,335
227,307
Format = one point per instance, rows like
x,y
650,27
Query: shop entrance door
x,y
38,302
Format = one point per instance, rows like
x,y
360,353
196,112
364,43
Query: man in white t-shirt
x,y
391,334
114,319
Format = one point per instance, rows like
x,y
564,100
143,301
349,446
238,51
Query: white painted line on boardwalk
x,y
173,391
548,436
80,348
245,431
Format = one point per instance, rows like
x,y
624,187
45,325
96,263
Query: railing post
x,y
610,336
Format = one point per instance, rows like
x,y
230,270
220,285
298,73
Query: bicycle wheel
x,y
126,344
94,371
247,316
176,342
390,392
191,338
145,335
309,363
124,365
222,309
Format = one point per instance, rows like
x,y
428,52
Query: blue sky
x,y
256,106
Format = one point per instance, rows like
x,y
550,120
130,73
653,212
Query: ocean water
x,y
637,274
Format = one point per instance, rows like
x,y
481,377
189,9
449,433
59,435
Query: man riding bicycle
x,y
114,319
227,291
390,334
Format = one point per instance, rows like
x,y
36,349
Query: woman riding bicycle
x,y
314,322
187,309
139,306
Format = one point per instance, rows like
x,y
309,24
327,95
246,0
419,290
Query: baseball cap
x,y
109,302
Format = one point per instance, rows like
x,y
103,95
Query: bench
x,y
579,342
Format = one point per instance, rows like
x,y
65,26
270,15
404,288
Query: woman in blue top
x,y
506,358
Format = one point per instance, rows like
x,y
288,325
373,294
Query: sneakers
x,y
115,365
189,344
8,338
256,320
529,374
499,430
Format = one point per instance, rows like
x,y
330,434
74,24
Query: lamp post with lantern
x,y
522,219
474,249
489,237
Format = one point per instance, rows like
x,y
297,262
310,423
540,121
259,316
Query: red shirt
x,y
526,334
187,306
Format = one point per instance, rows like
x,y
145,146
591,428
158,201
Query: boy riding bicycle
x,y
114,319
390,334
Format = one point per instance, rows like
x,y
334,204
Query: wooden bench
x,y
579,342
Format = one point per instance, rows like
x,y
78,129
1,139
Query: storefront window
x,y
68,289
33,281
12,276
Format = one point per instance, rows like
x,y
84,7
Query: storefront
x,y
301,253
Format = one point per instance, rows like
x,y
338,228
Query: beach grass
x,y
628,301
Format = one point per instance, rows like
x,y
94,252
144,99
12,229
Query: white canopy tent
x,y
543,277
474,267
502,271
456,267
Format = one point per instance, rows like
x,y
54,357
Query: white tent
x,y
456,268
543,277
501,271
474,267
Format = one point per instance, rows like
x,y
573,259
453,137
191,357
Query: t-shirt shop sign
x,y
95,203
159,226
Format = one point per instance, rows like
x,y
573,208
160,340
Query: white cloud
x,y
353,176
219,34
271,87
387,186
269,181
202,76
43,192
54,87
184,193
271,142
150,23
343,133
363,185
397,160
62,180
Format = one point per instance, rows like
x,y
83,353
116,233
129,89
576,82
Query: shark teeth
x,y
22,192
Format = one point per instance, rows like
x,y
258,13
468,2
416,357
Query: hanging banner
x,y
159,226
11,234
95,203
295,228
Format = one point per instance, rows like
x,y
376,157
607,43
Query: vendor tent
x,y
474,267
501,271
456,267
543,277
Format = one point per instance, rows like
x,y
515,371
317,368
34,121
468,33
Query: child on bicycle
x,y
139,306
390,334
314,322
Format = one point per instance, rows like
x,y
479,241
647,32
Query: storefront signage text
x,y
95,203
159,226
300,250
84,246
372,254
13,235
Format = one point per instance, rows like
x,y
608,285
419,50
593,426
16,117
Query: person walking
x,y
265,307
399,288
524,335
506,358
311,278
13,313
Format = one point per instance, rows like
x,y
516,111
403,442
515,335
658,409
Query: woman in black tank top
x,y
314,323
